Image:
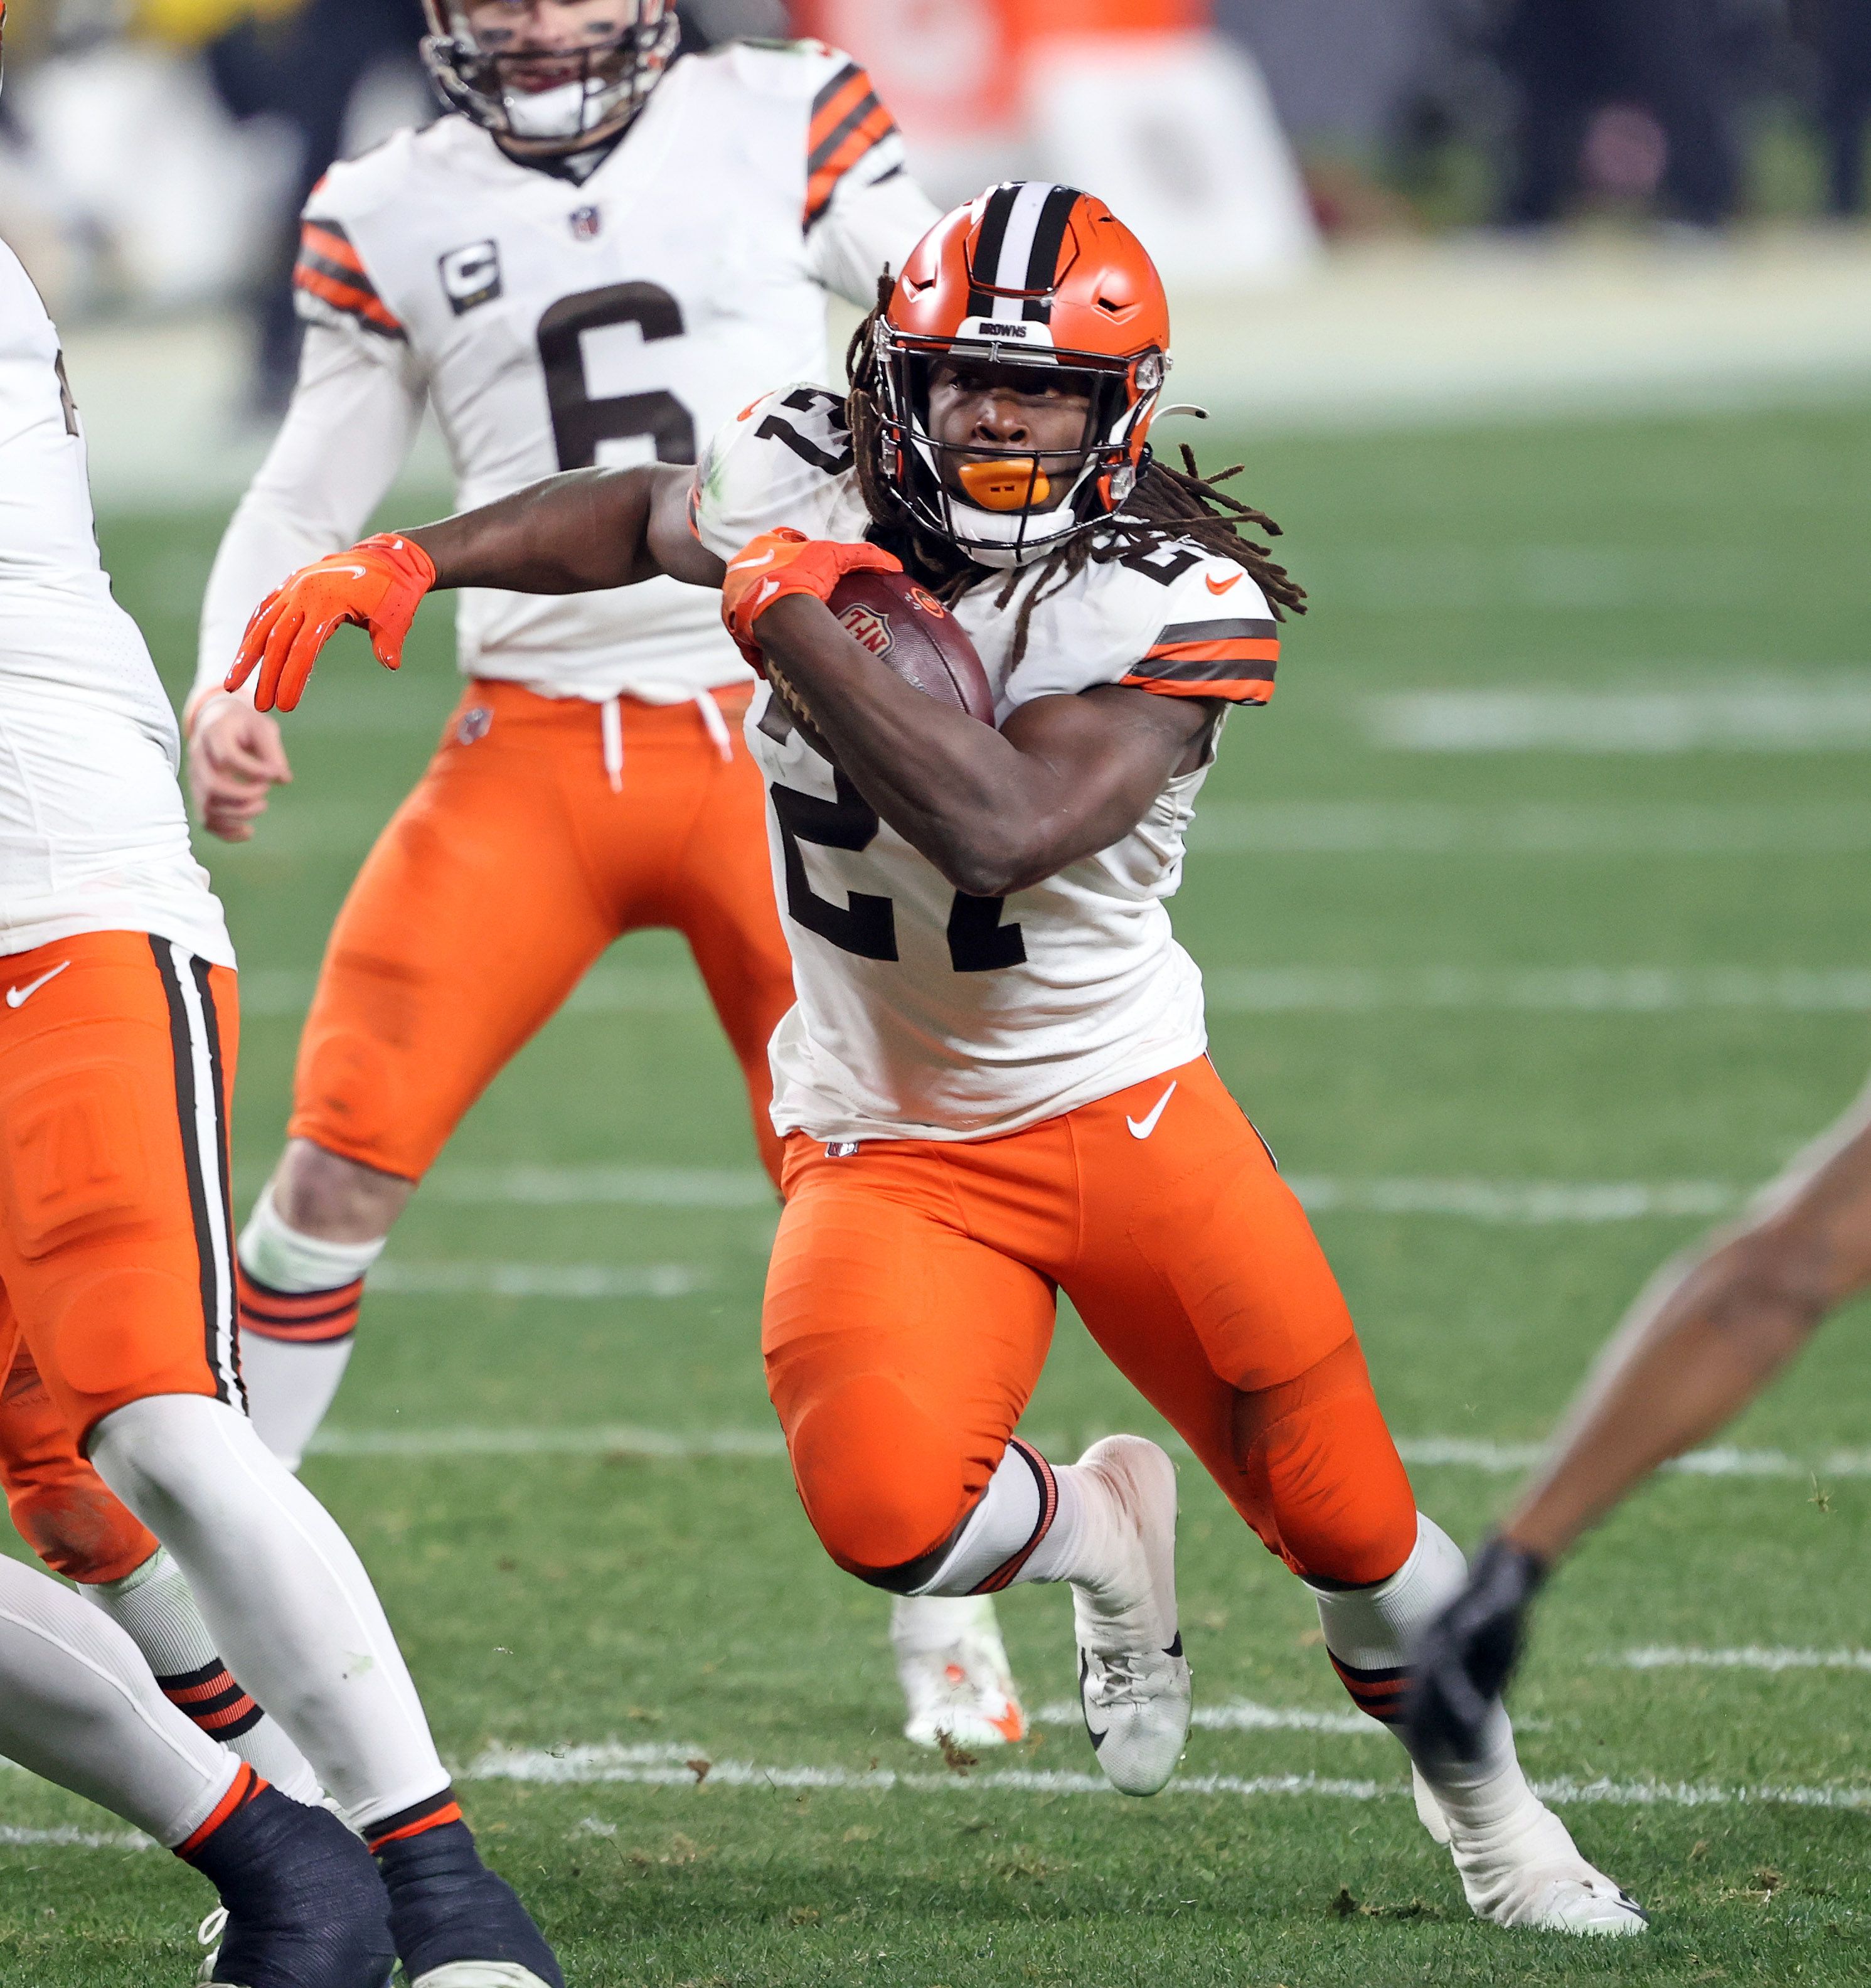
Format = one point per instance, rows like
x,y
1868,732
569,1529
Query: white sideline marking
x,y
1662,1657
537,1280
1764,714
1241,1714
280,993
1456,828
1585,990
668,1766
1494,1459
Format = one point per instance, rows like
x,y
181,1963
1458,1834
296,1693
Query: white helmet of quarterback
x,y
549,75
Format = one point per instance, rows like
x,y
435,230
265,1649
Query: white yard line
x,y
1493,1459
692,1767
282,993
1458,828
1584,990
1534,1202
1761,714
1475,1200
1242,1715
1665,1657
13,1839
400,1279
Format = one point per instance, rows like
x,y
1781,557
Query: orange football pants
x,y
498,883
911,1302
117,1054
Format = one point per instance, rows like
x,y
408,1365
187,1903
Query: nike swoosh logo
x,y
1221,587
17,997
750,565
768,589
1092,1733
1141,1128
356,572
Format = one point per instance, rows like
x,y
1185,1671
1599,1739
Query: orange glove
x,y
379,585
777,564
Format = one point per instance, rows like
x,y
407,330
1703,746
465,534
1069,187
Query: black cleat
x,y
305,1908
456,1924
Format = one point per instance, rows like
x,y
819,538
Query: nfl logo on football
x,y
870,630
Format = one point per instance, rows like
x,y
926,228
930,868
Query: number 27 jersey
x,y
923,1013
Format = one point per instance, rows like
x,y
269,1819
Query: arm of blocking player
x,y
578,533
995,812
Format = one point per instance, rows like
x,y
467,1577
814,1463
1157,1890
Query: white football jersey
x,y
556,322
923,1013
94,836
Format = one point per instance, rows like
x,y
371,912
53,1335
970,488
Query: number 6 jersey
x,y
923,1013
554,320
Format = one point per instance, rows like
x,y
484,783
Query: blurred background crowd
x,y
153,153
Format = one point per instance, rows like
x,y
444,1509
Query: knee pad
x,y
880,1480
128,1331
1320,1458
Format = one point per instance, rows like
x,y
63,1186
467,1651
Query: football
x,y
903,625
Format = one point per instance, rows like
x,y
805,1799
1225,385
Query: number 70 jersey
x,y
924,1013
555,322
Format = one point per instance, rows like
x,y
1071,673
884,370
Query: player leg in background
x,y
951,1663
65,1511
1199,1276
901,1351
119,1270
78,1705
477,913
1709,1333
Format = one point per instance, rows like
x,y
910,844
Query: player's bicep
x,y
1109,753
673,545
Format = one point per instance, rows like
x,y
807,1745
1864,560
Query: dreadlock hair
x,y
1166,505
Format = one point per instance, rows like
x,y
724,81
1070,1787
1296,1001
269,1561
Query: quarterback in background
x,y
598,258
993,1085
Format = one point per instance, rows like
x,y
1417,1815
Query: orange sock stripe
x,y
240,1790
297,1316
1378,1694
452,1812
1009,1571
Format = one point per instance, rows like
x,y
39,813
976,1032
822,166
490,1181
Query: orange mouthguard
x,y
1013,483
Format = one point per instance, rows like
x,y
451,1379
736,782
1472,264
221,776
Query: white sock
x,y
924,1623
1368,1631
155,1608
293,1369
283,1593
1011,1536
78,1705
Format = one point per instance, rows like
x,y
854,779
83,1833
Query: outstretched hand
x,y
1462,1662
379,585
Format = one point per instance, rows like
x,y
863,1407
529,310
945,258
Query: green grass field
x,y
1436,1057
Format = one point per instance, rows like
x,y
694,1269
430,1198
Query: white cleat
x,y
1527,1872
1134,1679
952,1664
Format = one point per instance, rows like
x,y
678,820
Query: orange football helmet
x,y
524,96
1047,280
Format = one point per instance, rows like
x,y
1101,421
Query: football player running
x,y
119,1037
1702,1342
598,257
993,1083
